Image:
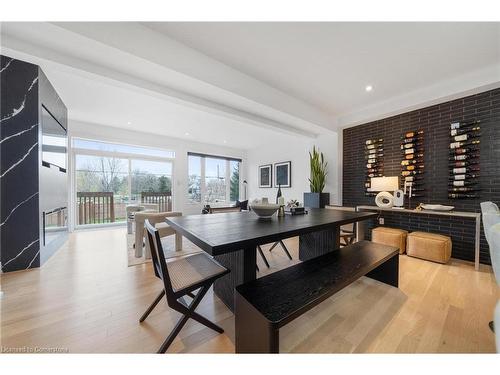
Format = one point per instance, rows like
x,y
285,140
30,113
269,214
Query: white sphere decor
x,y
384,199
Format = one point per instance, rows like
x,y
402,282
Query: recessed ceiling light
x,y
129,122
224,141
186,133
369,88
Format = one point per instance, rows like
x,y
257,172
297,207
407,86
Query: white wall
x,y
180,146
296,150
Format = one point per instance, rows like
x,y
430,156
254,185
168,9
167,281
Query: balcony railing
x,y
163,199
101,207
95,207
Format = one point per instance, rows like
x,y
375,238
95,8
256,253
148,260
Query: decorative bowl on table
x,y
437,207
264,210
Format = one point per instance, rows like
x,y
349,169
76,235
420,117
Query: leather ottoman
x,y
391,237
429,246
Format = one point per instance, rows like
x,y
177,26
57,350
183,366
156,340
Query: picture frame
x,y
266,176
283,174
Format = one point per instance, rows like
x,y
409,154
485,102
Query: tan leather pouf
x,y
429,246
391,237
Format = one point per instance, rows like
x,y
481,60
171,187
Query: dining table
x,y
232,239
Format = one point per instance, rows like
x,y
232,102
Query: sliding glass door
x,y
109,177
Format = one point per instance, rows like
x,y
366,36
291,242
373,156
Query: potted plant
x,y
316,198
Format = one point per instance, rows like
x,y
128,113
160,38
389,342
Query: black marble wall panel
x,y
19,211
435,121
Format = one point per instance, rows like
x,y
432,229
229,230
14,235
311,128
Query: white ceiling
x,y
248,83
328,65
91,100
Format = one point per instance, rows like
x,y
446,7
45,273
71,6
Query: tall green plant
x,y
318,171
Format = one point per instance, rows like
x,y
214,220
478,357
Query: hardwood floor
x,y
85,299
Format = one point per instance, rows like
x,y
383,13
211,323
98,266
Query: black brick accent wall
x,y
435,121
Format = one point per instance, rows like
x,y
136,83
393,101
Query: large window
x,y
109,177
213,179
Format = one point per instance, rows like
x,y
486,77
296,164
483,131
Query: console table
x,y
360,226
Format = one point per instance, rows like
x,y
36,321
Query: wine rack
x,y
464,160
412,163
374,155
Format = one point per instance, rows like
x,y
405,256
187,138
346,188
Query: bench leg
x,y
387,272
253,332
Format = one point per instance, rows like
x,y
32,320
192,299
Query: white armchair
x,y
491,224
494,235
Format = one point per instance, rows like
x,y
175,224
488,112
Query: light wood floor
x,y
86,299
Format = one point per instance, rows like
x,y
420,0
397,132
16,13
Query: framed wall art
x,y
283,174
266,176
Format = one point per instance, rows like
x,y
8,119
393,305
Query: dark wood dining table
x,y
232,239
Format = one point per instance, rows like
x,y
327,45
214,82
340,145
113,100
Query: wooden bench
x,y
264,305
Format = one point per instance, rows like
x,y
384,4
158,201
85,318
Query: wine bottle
x,y
373,145
374,165
463,183
410,173
413,167
465,143
464,137
462,189
375,175
463,125
463,176
474,130
371,141
412,161
410,151
375,151
278,195
463,170
414,178
413,156
417,138
375,156
464,163
471,152
414,133
411,145
461,195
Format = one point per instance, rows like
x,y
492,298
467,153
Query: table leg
x,y
315,244
242,264
360,230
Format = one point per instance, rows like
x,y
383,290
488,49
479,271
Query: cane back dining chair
x,y
190,275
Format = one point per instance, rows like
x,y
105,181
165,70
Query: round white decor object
x,y
384,199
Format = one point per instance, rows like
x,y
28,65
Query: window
x,y
234,182
108,177
194,178
150,176
213,179
121,148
